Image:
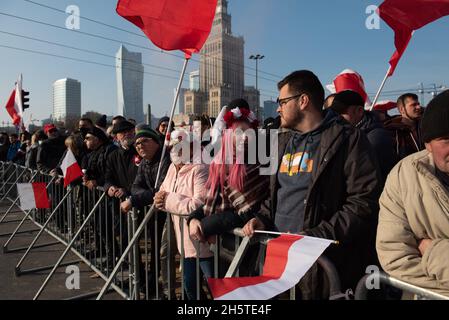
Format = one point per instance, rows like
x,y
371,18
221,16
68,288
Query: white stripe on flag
x,y
301,256
26,195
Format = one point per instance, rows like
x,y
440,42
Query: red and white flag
x,y
33,196
15,106
172,24
349,80
406,16
288,259
70,168
385,105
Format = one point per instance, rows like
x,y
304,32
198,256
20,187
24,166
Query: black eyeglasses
x,y
283,102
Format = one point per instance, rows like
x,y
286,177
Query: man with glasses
x,y
162,127
144,188
327,184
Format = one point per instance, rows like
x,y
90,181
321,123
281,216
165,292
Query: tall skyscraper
x,y
130,84
270,109
194,80
221,68
180,105
66,100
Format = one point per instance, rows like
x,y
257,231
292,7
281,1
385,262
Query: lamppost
x,y
257,57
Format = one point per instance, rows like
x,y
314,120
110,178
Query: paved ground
x,y
25,286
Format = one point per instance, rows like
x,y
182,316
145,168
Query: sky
x,y
325,36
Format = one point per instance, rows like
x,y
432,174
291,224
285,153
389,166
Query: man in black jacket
x,y
327,184
121,168
51,150
149,147
100,146
349,105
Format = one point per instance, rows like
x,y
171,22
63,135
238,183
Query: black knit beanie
x,y
435,122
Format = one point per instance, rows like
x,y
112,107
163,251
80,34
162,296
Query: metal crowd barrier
x,y
128,254
362,291
131,252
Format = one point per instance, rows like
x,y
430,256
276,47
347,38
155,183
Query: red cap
x,y
48,128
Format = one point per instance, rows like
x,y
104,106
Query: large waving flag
x,y
33,196
172,24
406,16
288,259
70,168
349,80
15,106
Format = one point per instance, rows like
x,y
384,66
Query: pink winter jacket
x,y
186,193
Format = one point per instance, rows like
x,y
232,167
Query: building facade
x,y
270,109
130,84
221,71
66,100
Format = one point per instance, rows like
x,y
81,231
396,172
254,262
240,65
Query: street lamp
x,y
257,57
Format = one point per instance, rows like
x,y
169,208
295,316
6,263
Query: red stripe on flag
x,y
11,109
73,173
274,266
40,195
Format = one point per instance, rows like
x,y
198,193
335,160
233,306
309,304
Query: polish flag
x,y
349,80
172,24
33,196
14,106
405,17
385,105
70,168
288,259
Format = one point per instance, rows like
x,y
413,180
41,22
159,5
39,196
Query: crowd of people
x,y
377,184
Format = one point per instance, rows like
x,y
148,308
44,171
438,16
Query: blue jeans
x,y
206,269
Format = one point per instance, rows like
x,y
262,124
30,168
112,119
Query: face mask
x,y
175,158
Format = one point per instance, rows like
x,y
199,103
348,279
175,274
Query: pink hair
x,y
225,162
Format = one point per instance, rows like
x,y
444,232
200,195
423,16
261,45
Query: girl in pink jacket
x,y
182,192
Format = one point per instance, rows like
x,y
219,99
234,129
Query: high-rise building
x,y
194,80
221,67
130,84
270,109
66,100
180,104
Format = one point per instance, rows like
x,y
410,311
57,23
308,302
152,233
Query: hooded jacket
x,y
341,203
381,140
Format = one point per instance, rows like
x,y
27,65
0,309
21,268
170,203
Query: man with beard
x,y
327,184
407,138
121,169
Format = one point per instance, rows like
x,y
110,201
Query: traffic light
x,y
25,99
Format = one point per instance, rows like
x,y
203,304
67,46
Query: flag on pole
x,y
349,80
288,259
33,196
385,105
70,168
172,24
406,16
15,106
